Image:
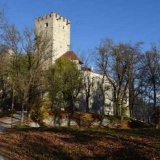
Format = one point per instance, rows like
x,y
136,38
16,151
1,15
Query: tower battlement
x,y
53,15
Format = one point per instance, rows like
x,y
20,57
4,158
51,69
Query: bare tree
x,y
2,19
30,51
151,80
4,73
116,63
87,85
133,75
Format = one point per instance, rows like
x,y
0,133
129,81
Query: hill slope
x,y
65,143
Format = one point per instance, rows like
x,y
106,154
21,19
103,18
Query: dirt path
x,y
6,122
3,158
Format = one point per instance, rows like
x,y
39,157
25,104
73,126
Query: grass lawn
x,y
84,144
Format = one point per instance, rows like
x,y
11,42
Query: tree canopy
x,y
65,83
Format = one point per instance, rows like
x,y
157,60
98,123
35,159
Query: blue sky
x,y
93,20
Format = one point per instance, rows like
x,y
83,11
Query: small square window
x,y
46,25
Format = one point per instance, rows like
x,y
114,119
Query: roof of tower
x,y
72,56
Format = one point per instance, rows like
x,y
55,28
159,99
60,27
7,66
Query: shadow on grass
x,y
123,154
24,146
72,143
139,132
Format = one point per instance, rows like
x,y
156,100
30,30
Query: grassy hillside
x,y
73,143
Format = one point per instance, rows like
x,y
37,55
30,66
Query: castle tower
x,y
57,29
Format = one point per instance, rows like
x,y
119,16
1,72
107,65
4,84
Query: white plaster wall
x,y
94,78
61,35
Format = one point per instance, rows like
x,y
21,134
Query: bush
x,y
5,113
138,124
86,119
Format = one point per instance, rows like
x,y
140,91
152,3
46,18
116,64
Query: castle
x,y
57,29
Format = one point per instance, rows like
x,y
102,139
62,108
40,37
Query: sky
x,y
93,20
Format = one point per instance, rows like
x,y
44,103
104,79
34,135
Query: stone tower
x,y
57,29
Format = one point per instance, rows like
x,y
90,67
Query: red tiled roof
x,y
72,56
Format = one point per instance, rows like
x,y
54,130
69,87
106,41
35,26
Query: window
x,y
46,25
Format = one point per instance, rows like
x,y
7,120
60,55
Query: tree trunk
x,y
22,113
71,104
131,99
87,104
155,103
29,113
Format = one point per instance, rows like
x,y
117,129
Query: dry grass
x,y
89,144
